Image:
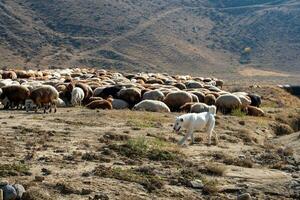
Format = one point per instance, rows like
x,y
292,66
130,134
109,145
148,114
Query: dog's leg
x,y
188,133
193,139
209,138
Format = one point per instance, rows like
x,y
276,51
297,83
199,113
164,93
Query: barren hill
x,y
187,36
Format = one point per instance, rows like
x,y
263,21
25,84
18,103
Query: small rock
x,y
242,185
197,184
242,123
119,163
295,175
39,178
99,197
9,193
245,196
20,190
86,191
289,168
46,172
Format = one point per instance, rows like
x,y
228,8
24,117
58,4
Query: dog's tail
x,y
211,123
212,110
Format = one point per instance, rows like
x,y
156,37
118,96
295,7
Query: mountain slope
x,y
155,35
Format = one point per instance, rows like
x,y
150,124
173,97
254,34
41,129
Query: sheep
x,y
131,95
200,95
210,99
15,94
186,107
9,75
61,103
245,100
99,104
227,102
201,107
154,95
175,100
77,96
43,96
193,84
255,100
219,83
93,99
88,92
106,91
153,81
254,111
195,98
152,106
119,104
180,86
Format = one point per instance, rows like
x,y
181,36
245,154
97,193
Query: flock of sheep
x,y
101,89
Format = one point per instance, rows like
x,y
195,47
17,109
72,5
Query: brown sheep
x,y
210,99
195,98
9,75
44,96
15,94
200,96
153,81
180,86
131,95
186,107
99,104
88,92
93,99
254,111
175,100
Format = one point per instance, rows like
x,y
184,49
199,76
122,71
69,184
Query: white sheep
x,y
77,96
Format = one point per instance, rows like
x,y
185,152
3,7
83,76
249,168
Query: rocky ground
x,y
85,154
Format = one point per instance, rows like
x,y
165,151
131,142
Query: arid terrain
x,y
186,36
96,154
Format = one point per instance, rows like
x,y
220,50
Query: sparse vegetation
x,y
238,113
16,169
282,129
149,181
216,169
152,149
210,185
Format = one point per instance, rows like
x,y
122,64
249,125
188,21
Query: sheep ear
x,y
181,120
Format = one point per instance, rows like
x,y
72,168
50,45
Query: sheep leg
x,y
182,141
54,108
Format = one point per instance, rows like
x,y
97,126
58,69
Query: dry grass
x,y
281,129
216,169
153,149
16,169
150,181
210,186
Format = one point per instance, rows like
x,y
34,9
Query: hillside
x,y
205,36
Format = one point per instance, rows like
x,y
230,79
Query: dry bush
x,y
16,169
215,169
157,150
210,186
281,129
35,193
149,181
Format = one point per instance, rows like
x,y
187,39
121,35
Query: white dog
x,y
196,121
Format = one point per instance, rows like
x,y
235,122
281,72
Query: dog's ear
x,y
181,120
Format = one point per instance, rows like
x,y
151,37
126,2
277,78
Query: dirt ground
x,y
78,153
